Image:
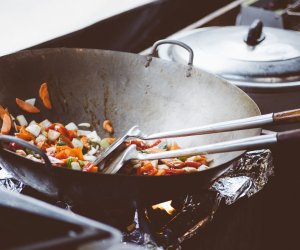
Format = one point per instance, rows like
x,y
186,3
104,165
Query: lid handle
x,y
255,34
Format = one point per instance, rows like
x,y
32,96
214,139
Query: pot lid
x,y
241,53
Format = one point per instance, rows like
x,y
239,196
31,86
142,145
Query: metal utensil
x,y
239,124
241,144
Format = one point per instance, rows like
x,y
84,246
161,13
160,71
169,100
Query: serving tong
x,y
131,152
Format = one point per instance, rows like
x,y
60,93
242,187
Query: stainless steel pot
x,y
264,62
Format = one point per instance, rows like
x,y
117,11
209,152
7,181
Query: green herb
x,y
69,161
94,144
29,151
81,163
182,158
60,142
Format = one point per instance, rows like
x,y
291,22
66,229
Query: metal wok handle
x,y
7,138
181,44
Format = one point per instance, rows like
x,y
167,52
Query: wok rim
x,y
42,51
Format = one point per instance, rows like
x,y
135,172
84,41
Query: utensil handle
x,y
228,146
287,116
25,144
181,44
289,136
245,123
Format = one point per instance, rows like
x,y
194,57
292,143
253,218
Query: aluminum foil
x,y
8,182
247,177
155,229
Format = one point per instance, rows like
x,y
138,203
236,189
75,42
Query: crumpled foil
x,y
8,182
247,177
192,212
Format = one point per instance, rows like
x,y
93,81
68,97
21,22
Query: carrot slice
x,y
107,126
26,106
2,112
44,95
24,134
6,125
67,152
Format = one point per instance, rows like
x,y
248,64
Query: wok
x,y
89,85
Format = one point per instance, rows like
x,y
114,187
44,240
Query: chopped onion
x,y
15,126
71,126
190,169
135,166
33,129
93,150
51,150
163,166
75,165
83,132
93,136
77,143
53,135
54,160
31,101
20,152
84,124
22,120
32,122
154,163
90,158
31,157
202,167
45,124
41,138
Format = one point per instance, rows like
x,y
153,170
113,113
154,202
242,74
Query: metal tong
x,y
241,144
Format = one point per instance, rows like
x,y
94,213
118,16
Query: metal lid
x,y
240,53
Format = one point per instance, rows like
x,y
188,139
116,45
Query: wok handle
x,y
287,116
8,138
181,44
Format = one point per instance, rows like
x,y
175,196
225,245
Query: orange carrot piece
x,y
25,135
2,112
44,95
26,106
107,126
110,140
67,152
173,146
6,125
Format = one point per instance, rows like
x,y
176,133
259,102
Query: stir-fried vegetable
x,y
164,166
27,106
44,95
65,148
70,147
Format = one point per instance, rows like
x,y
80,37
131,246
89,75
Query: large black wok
x,y
93,85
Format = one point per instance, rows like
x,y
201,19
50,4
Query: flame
x,y
165,206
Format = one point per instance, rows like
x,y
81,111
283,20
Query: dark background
x,y
138,29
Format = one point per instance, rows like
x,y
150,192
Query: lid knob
x,y
255,34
